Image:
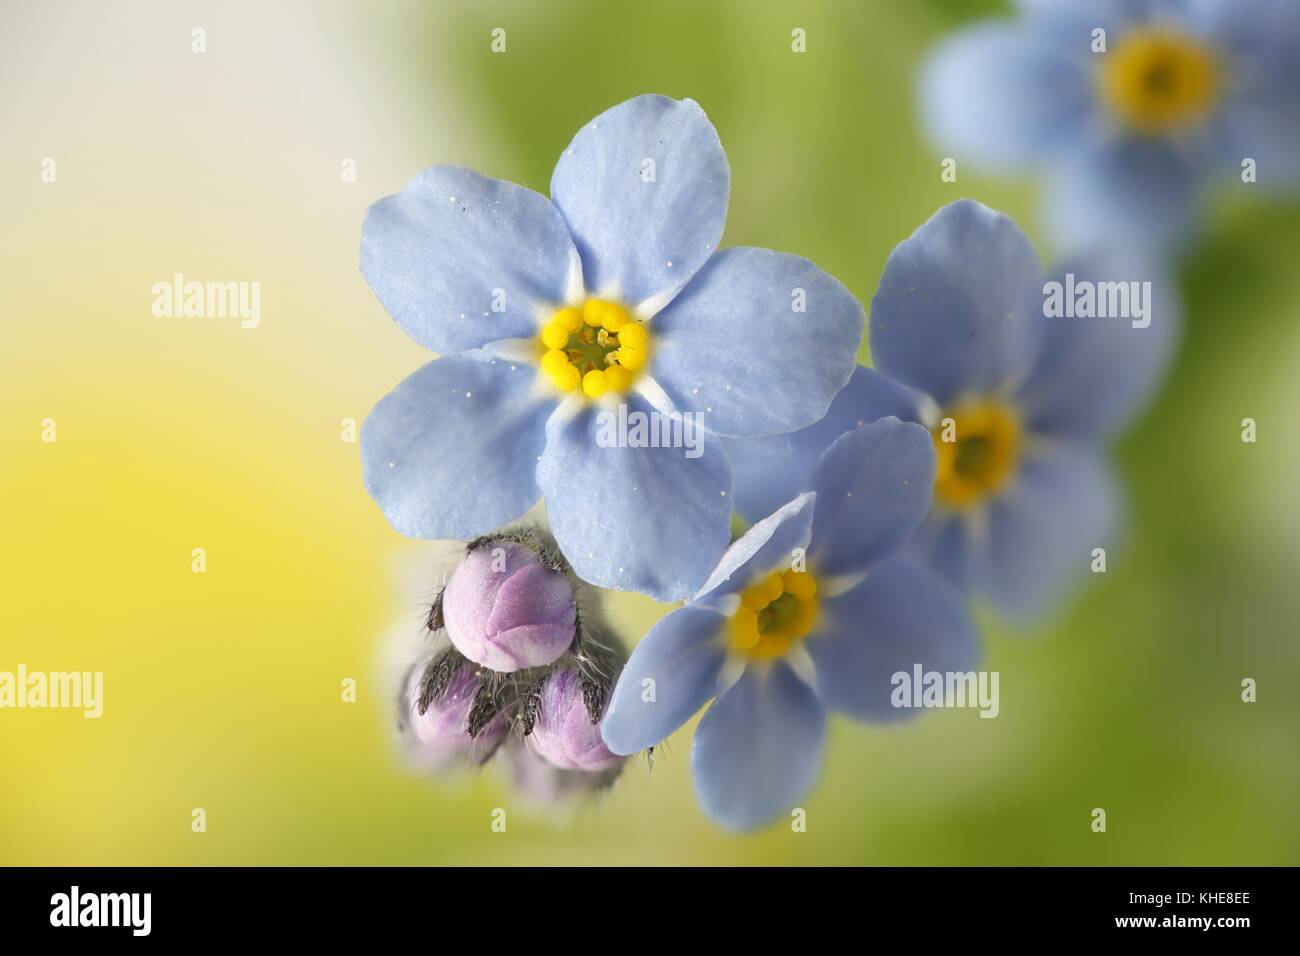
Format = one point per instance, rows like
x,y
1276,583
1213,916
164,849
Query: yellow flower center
x,y
1157,81
977,448
598,348
775,614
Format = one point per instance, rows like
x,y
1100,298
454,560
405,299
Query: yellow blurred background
x,y
223,689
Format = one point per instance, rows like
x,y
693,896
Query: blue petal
x,y
635,519
874,486
943,543
1264,125
459,260
1141,191
683,656
902,614
947,318
1092,374
640,236
1259,114
771,470
733,348
769,545
1008,94
758,748
1250,29
1040,535
452,450
1100,13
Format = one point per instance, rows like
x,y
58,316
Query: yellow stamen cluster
x,y
599,348
775,613
977,449
1157,81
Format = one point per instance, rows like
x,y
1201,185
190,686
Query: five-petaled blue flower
x,y
1133,105
547,312
1020,382
809,610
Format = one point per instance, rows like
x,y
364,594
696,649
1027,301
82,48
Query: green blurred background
x,y
222,690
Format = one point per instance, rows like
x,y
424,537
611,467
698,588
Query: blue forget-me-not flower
x,y
1021,379
1131,106
547,311
808,611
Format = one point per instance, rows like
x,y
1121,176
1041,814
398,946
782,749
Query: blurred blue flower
x,y
549,311
1020,405
808,611
1131,123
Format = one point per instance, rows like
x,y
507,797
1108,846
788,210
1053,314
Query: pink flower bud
x,y
564,734
542,785
440,736
505,610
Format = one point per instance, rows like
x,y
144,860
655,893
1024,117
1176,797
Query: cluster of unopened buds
x,y
520,663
